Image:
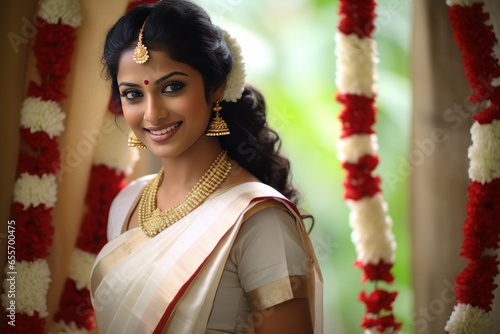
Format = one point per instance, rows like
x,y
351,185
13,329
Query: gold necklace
x,y
152,220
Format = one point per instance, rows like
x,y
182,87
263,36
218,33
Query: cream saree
x,y
167,284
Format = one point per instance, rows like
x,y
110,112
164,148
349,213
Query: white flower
x,y
31,285
79,268
351,148
355,70
236,78
484,153
39,115
466,319
372,235
66,11
462,3
71,328
112,151
35,190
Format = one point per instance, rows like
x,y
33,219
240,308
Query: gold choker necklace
x,y
152,220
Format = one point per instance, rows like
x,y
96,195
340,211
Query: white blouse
x,y
267,249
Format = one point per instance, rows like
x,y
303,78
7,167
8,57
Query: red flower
x,y
475,285
75,306
356,17
380,323
52,92
33,232
359,182
376,272
357,115
104,185
477,40
38,140
378,300
53,49
488,115
27,324
482,226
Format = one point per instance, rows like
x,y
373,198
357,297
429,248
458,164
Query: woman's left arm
x,y
290,317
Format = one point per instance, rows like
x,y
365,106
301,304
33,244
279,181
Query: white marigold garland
x,y
356,80
35,190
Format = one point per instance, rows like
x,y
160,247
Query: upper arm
x,y
290,317
273,268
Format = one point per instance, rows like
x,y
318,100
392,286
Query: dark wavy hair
x,y
185,31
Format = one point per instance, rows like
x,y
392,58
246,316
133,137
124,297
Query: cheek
x,y
132,117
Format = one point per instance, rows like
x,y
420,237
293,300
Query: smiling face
x,y
164,103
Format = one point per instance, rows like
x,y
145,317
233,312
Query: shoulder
x,y
122,204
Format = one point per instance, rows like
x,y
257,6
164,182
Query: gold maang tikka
x,y
141,54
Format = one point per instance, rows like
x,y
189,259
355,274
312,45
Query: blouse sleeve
x,y
271,263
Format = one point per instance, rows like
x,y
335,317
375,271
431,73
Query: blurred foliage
x,y
288,47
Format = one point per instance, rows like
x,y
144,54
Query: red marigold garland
x,y
358,151
35,190
475,285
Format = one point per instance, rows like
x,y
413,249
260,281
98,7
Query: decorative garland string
x,y
358,151
35,190
475,286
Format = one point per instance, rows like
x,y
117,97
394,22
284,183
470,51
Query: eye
x,y
173,87
131,95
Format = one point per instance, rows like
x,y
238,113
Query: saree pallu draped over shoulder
x,y
167,284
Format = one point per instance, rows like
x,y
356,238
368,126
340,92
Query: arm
x,y
290,317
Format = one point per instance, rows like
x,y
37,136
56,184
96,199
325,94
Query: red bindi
x,y
146,82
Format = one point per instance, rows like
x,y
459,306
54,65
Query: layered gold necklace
x,y
152,220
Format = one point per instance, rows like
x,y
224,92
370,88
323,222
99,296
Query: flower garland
x,y
475,285
358,151
35,190
113,161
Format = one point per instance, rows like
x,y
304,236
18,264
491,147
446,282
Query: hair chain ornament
x,y
236,78
141,54
152,220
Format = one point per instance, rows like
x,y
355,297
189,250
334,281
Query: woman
x,y
213,243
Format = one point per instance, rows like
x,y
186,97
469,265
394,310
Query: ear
x,y
218,93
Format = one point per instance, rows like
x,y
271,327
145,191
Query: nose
x,y
155,111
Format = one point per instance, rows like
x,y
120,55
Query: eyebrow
x,y
163,78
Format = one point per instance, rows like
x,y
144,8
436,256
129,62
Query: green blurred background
x,y
288,48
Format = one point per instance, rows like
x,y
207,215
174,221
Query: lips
x,y
160,134
165,130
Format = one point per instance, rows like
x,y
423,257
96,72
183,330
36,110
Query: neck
x,y
182,172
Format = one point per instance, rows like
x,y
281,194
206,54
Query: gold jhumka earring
x,y
133,141
218,126
141,54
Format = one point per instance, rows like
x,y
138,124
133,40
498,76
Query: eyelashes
x,y
132,95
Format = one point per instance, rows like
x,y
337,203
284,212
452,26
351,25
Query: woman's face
x,y
164,103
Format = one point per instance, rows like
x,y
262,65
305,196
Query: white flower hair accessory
x,y
236,78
